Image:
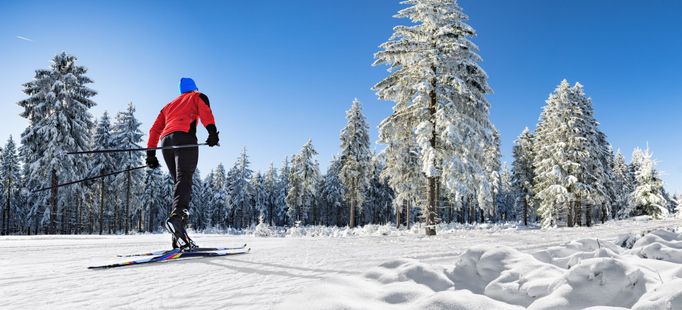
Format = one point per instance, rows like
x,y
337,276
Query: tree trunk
x,y
588,215
53,203
139,220
432,180
9,199
127,201
569,215
101,205
407,215
578,214
397,217
351,219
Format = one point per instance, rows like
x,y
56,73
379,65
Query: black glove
x,y
152,162
212,135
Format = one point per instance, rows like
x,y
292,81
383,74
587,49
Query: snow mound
x,y
582,274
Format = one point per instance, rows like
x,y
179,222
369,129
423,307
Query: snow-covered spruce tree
x,y
239,191
402,167
506,196
258,198
59,121
435,76
622,186
571,159
282,217
219,197
333,195
10,174
303,178
198,202
523,175
270,189
647,198
559,150
127,135
153,199
101,164
379,202
492,166
355,160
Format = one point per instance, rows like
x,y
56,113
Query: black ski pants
x,y
181,164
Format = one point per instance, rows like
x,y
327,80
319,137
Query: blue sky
x,y
280,72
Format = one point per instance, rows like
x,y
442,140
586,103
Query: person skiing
x,y
176,125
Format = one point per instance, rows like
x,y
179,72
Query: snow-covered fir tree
x,y
355,160
153,200
271,191
569,162
506,196
102,164
239,190
378,206
332,194
219,197
622,187
647,197
59,122
402,167
127,135
259,198
10,196
523,175
303,178
435,77
282,214
198,204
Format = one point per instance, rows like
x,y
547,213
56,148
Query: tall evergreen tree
x,y
332,194
240,192
270,187
506,196
436,78
153,199
127,135
219,198
282,217
647,198
303,180
523,175
623,187
10,174
101,164
59,121
355,160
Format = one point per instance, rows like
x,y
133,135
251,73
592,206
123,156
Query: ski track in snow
x,y
41,272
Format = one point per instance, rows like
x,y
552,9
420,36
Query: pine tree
x,y
355,160
259,198
153,199
523,175
104,163
270,187
378,205
506,196
10,174
647,198
623,187
332,194
435,77
219,198
198,204
239,191
303,180
59,121
282,193
127,135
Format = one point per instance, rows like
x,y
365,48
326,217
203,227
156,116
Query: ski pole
x,y
173,147
87,179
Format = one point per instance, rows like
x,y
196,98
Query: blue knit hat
x,y
187,84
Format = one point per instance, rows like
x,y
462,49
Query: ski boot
x,y
176,226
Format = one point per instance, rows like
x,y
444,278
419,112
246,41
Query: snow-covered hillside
x,y
492,268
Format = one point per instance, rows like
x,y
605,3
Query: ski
x,y
173,255
162,252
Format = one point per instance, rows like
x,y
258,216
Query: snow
x,y
489,267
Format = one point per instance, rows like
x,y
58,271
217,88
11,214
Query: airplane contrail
x,y
24,38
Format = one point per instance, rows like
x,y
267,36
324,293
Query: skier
x,y
176,125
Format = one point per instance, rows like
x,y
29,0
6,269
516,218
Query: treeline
x,y
440,163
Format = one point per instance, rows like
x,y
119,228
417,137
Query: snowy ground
x,y
398,271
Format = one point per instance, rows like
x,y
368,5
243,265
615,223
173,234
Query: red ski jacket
x,y
181,114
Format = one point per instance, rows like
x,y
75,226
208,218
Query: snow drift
x,y
644,273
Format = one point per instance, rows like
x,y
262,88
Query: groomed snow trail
x,y
41,272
